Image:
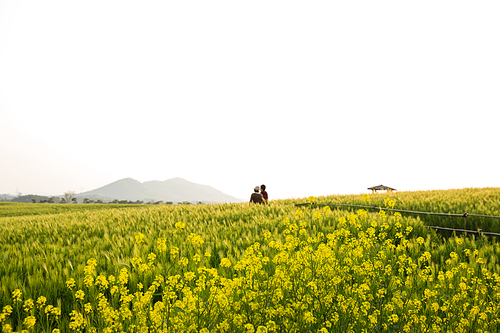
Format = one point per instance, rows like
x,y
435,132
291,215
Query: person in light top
x,y
256,197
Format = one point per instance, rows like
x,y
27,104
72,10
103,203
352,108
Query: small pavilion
x,y
381,188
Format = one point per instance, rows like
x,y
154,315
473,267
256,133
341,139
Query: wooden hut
x,y
381,188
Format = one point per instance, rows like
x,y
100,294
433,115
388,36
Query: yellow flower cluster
x,y
46,314
17,296
389,203
195,240
6,311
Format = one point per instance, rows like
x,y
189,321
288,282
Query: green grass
x,y
12,209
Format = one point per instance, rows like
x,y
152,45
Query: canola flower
x,y
225,263
389,203
179,226
16,296
29,322
71,283
80,295
139,238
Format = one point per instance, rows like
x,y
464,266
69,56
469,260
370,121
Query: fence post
x,y
465,220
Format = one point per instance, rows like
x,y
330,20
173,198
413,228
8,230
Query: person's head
x,y
263,187
256,189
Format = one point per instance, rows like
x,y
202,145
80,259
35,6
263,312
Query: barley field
x,y
480,201
249,268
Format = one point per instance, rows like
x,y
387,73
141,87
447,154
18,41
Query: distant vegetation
x,y
31,198
249,268
6,197
35,198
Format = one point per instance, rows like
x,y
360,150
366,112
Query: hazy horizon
x,y
243,198
309,98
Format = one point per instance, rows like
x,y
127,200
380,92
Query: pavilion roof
x,y
381,188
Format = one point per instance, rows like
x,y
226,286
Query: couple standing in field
x,y
257,197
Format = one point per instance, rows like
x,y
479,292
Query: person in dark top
x,y
264,193
256,197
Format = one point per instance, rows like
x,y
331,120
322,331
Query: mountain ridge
x,y
174,190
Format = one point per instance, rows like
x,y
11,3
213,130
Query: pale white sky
x,y
307,97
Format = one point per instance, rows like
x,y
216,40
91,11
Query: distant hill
x,y
174,190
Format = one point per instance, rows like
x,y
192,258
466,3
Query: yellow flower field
x,y
243,268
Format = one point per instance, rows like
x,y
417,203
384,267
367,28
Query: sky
x,y
311,98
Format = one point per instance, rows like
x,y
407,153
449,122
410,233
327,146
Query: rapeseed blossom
x,y
139,238
29,322
225,262
195,240
40,302
161,244
80,294
17,296
28,305
174,251
71,283
389,203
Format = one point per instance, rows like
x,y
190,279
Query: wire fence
x,y
464,216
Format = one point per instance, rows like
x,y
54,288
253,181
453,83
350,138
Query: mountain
x,y
175,190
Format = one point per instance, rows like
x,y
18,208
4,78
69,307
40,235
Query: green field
x,y
480,201
11,209
251,268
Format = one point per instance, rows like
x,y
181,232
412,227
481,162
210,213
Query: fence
x,y
464,216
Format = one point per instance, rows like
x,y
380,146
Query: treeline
x,y
32,198
36,198
151,202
